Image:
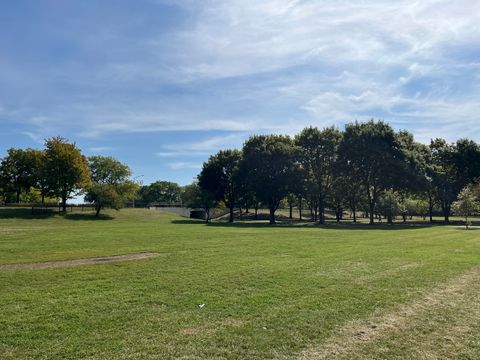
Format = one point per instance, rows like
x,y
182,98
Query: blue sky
x,y
162,84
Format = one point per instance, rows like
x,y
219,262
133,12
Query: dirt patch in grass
x,y
355,335
77,262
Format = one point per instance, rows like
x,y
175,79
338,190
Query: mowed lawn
x,y
298,291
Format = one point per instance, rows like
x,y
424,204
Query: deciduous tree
x,y
466,205
164,192
318,156
375,156
110,186
66,169
270,160
220,176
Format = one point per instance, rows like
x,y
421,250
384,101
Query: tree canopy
x,y
220,176
110,184
271,163
162,192
66,169
367,168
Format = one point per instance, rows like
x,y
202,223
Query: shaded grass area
x,y
269,292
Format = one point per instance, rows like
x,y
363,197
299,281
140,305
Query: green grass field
x,y
297,291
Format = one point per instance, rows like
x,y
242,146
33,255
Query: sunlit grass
x,y
269,292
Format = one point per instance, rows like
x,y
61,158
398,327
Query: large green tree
x,y
444,175
110,184
17,171
220,175
271,164
374,153
318,156
454,166
66,169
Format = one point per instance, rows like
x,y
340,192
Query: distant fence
x,y
43,208
39,208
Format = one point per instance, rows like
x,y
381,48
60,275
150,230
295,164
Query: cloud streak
x,y
243,66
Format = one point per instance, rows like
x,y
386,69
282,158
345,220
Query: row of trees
x,y
367,167
60,171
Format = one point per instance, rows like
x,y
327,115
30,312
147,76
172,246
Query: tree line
x,y
60,171
367,167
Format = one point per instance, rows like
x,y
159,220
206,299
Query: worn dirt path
x,y
355,335
77,262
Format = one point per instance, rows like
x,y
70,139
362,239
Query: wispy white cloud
x,y
397,60
239,37
204,147
251,66
179,165
209,144
99,149
35,137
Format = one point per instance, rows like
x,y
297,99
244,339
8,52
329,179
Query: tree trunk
x,y
390,219
18,197
321,211
43,198
354,214
371,204
291,212
272,215
430,207
300,208
256,212
230,219
98,211
64,202
446,212
371,211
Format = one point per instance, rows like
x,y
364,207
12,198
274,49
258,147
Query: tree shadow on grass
x,y
88,216
39,214
26,213
310,225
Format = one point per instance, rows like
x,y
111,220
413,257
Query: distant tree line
x,y
368,167
60,171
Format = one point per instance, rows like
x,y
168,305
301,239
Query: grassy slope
x,y
269,292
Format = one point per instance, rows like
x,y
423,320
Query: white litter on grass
x,y
201,306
